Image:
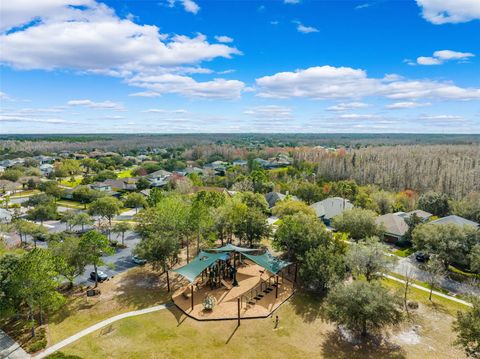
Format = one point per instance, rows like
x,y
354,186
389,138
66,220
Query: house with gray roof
x,y
453,219
159,178
394,227
273,197
331,207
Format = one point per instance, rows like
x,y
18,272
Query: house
x,y
122,184
331,207
394,227
101,186
10,163
159,178
46,168
219,167
453,219
424,216
44,159
240,163
191,169
273,197
80,156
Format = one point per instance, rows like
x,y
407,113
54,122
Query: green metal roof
x,y
201,262
268,261
231,248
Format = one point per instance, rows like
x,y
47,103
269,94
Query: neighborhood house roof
x,y
273,197
393,224
455,220
331,207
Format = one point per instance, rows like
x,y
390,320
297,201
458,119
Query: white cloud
x,y
328,82
190,6
306,29
347,106
4,96
145,94
425,60
407,104
163,111
452,55
224,39
187,86
441,117
449,11
291,2
270,111
441,56
362,6
105,105
92,38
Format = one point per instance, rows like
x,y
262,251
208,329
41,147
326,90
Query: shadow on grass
x,y
141,289
335,347
308,306
231,335
60,355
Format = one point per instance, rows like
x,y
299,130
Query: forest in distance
x,y
445,163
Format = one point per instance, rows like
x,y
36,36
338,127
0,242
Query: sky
x,y
193,66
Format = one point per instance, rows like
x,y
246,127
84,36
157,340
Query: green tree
x,y
308,192
67,218
252,226
324,266
9,297
435,269
38,199
36,283
475,259
52,189
12,174
358,223
121,228
135,200
451,243
469,207
288,207
435,203
142,184
43,212
467,327
93,245
367,258
69,258
82,219
363,306
254,201
105,207
71,167
84,195
298,233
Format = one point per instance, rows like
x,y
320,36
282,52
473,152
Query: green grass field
x,y
303,332
126,173
67,182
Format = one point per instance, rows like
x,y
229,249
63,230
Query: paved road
x,y
409,264
10,349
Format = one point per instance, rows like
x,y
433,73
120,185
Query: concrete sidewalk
x,y
10,349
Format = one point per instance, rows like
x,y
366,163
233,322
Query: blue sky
x,y
87,66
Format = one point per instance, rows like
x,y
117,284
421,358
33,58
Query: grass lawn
x,y
303,333
135,289
67,182
27,193
404,252
69,204
126,173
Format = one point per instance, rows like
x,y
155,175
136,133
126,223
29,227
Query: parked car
x,y
138,260
421,257
101,276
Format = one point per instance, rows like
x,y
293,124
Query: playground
x,y
234,283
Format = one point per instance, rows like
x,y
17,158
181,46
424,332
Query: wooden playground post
x,y
295,279
238,304
168,282
192,295
276,287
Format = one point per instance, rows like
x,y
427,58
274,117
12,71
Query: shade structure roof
x,y
268,261
201,262
231,248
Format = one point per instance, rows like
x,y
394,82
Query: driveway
x,y
410,265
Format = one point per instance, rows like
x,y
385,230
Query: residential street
x,y
410,264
